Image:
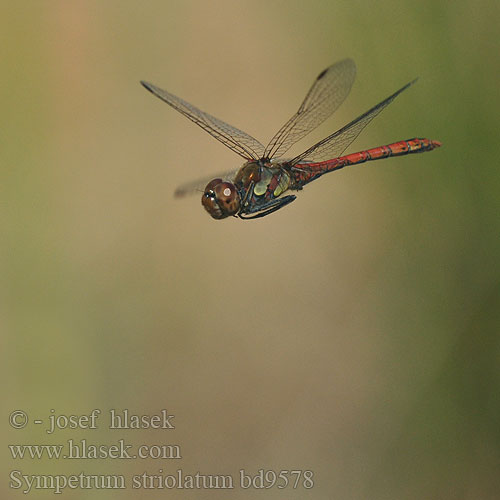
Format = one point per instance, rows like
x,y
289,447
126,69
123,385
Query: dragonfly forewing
x,y
327,93
233,138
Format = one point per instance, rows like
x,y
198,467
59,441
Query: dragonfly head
x,y
221,199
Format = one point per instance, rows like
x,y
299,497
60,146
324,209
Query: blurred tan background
x,y
354,333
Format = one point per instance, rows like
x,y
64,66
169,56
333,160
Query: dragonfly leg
x,y
269,208
244,201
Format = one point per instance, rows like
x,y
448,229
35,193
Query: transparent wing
x,y
334,145
198,186
236,140
328,92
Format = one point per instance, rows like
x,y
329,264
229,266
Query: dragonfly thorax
x,y
221,199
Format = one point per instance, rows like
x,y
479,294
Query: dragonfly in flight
x,y
258,187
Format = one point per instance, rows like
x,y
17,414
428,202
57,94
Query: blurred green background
x,y
354,333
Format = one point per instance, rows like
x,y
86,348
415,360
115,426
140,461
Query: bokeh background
x,y
354,333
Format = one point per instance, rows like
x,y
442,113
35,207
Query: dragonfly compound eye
x,y
221,199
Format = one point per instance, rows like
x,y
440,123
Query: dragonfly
x,y
260,186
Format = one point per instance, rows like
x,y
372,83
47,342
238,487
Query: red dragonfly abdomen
x,y
304,173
